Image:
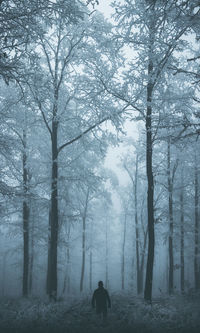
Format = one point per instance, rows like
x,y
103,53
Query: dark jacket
x,y
100,299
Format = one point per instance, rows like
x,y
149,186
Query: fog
x,y
99,145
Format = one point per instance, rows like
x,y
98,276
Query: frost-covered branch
x,y
89,129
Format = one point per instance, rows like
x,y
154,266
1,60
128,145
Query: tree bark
x,y
48,256
171,222
25,220
83,255
123,254
106,284
141,269
54,207
30,279
91,256
137,228
83,241
150,180
182,235
196,230
90,269
66,284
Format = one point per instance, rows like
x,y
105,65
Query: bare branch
x,y
44,118
40,108
174,170
67,59
197,132
47,57
180,70
89,129
19,135
172,46
193,59
122,98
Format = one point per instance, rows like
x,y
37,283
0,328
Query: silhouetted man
x,y
100,299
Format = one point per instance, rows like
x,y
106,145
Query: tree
x,y
170,179
19,132
84,216
140,228
21,21
66,93
182,259
25,130
196,225
90,190
124,218
26,213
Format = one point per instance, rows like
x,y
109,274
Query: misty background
x,y
99,144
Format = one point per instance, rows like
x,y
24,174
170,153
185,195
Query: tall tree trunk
x,y
30,279
54,209
123,253
83,255
106,284
196,229
90,269
66,284
83,242
48,277
91,257
171,223
25,220
132,280
132,273
182,234
150,180
136,226
141,269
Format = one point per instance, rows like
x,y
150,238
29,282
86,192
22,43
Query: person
x,y
100,300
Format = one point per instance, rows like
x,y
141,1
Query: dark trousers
x,y
102,311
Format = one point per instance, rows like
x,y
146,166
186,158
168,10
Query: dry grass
x,y
129,314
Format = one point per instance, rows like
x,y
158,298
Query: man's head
x,y
100,284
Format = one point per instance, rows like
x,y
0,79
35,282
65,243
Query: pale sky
x,y
104,7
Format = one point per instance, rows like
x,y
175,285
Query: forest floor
x,y
129,314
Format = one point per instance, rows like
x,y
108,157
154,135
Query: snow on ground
x,y
129,314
